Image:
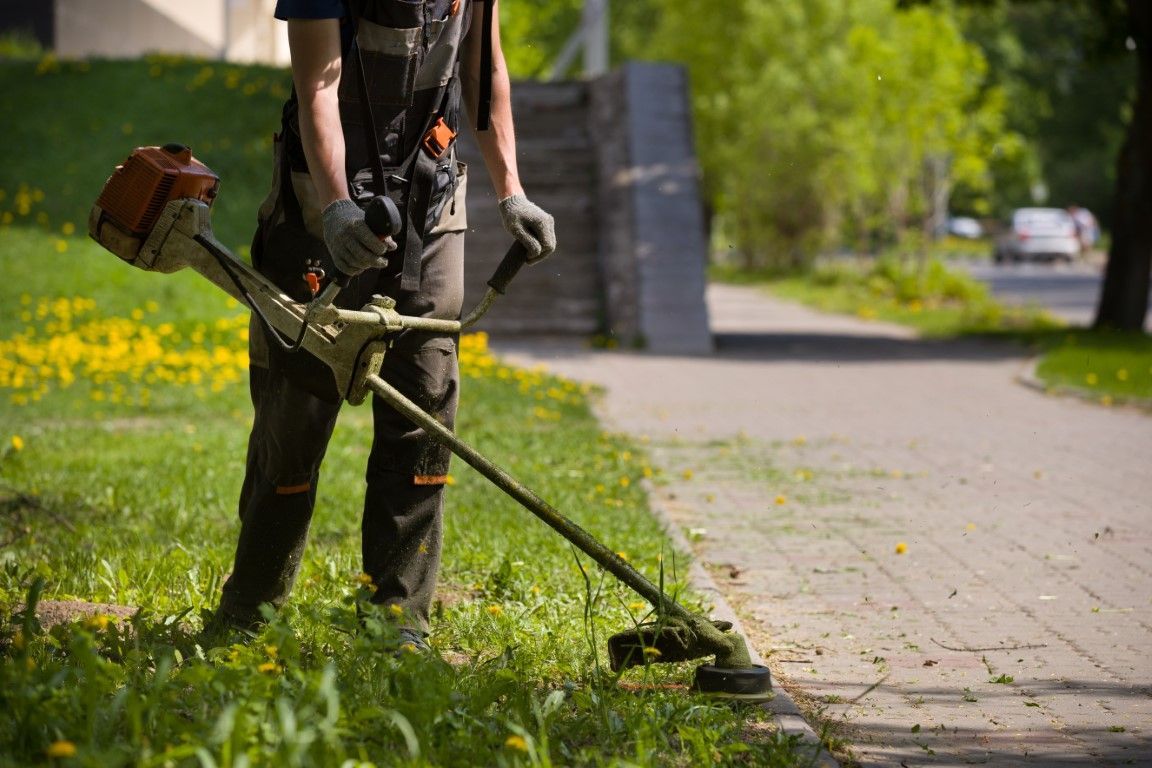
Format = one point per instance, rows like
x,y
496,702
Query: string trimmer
x,y
154,214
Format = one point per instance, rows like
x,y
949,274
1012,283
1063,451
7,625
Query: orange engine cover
x,y
149,179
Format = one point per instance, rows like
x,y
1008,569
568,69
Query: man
x,y
378,86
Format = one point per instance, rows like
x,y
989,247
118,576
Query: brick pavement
x,y
943,566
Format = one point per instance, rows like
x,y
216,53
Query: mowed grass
x,y
123,425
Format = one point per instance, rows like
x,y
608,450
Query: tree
x,y
1122,27
1124,297
822,120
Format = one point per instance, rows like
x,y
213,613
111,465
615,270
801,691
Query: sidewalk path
x,y
946,567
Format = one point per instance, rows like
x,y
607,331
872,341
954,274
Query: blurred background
x,y
989,130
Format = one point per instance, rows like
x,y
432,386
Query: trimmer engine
x,y
137,191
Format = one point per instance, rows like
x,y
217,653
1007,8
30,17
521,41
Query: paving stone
x,y
941,565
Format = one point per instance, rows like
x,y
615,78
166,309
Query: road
x,y
949,568
1069,291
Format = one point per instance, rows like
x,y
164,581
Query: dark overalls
x,y
405,57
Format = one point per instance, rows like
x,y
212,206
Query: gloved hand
x,y
529,224
354,247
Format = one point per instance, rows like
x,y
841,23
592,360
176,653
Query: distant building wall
x,y
234,30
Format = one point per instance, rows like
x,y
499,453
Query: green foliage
x,y
821,122
78,119
1113,365
19,44
535,31
924,293
1070,83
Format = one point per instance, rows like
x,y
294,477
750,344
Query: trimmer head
x,y
658,643
732,677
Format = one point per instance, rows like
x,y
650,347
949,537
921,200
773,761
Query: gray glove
x,y
354,247
528,223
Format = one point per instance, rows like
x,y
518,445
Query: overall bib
x,y
404,57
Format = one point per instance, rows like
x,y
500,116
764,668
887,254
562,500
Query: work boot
x,y
411,641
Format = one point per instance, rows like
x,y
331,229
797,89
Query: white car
x,y
1039,234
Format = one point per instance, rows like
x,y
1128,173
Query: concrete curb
x,y
782,707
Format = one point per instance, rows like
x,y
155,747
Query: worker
x,y
375,109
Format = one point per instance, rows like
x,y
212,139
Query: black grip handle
x,y
383,217
516,257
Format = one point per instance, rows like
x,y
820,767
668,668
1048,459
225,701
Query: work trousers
x,y
403,503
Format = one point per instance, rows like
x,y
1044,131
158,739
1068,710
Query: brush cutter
x,y
154,214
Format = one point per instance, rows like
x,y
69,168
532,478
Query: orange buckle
x,y
439,139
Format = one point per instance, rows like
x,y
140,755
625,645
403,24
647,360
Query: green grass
x,y
928,296
1117,367
941,302
123,425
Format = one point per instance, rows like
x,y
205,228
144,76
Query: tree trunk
x,y
1124,296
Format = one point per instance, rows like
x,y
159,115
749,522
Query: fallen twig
x,y
1024,647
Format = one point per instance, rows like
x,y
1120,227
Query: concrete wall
x,y
236,30
614,161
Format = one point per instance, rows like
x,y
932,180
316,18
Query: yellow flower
x,y
271,650
495,610
363,579
901,548
17,443
396,610
687,474
516,742
61,748
1122,374
67,228
98,622
781,500
637,606
269,667
1091,379
652,652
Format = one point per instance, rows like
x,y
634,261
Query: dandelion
x,y
1091,379
652,653
623,556
625,481
61,246
61,748
495,610
98,622
396,610
67,229
686,474
781,500
272,651
17,443
516,742
1122,374
268,668
637,606
901,548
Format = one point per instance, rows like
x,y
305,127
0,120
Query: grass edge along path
x,y
1105,367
